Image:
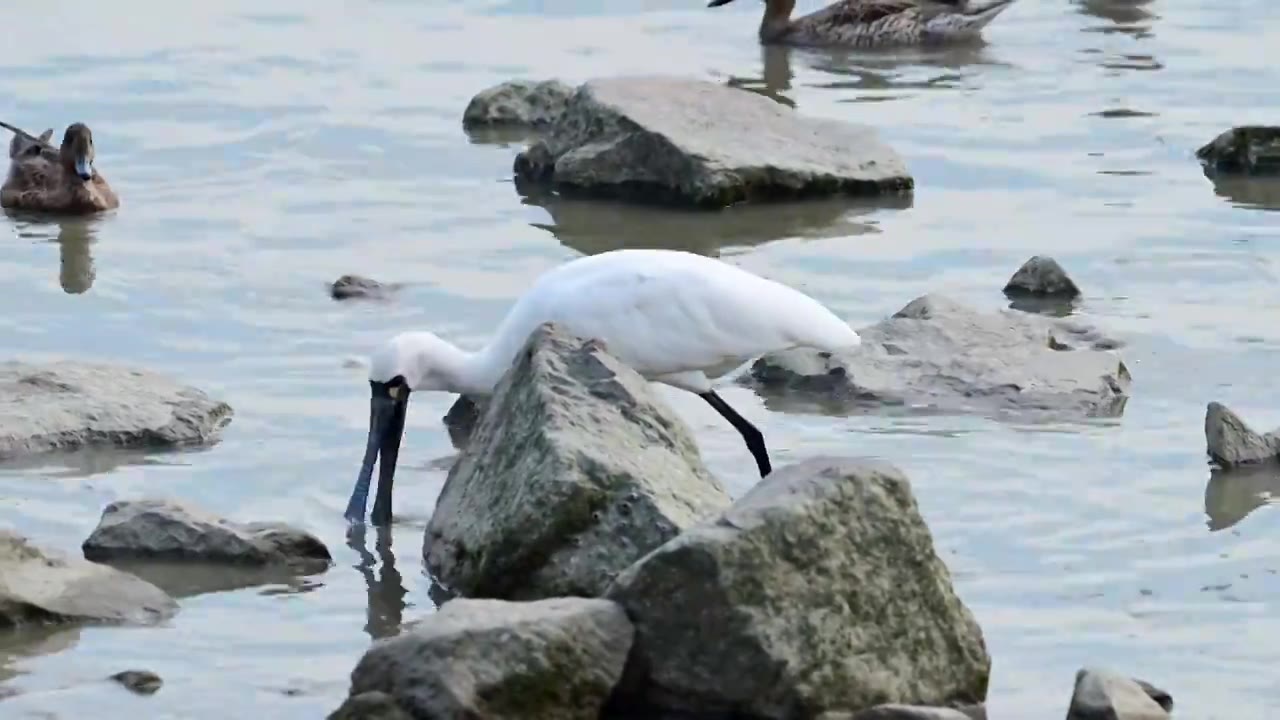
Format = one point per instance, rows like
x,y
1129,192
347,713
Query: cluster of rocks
x,y
605,572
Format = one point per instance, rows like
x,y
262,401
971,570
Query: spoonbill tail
x,y
676,318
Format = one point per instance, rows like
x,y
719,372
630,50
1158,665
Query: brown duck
x,y
877,23
45,178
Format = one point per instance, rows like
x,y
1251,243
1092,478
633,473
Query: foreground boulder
x,y
162,530
517,104
702,144
1101,695
818,591
575,471
913,712
938,355
1232,442
1042,277
1244,150
38,586
556,659
75,405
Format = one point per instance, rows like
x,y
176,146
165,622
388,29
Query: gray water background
x,y
262,150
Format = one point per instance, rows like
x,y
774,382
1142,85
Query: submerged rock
x,y
556,659
818,591
702,144
524,104
69,405
141,682
1247,150
1232,442
919,712
575,471
355,287
163,530
1101,695
1041,276
39,586
938,355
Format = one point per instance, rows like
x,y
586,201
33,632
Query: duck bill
x,y
382,448
718,3
84,168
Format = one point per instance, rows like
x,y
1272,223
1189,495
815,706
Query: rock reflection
x,y
596,226
188,579
17,644
1258,193
385,591
1232,494
1126,15
910,68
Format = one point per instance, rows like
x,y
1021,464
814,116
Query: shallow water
x,y
259,156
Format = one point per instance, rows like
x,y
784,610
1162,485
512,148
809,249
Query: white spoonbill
x,y
675,317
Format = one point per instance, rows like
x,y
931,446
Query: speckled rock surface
x,y
936,355
1230,441
39,586
76,405
819,590
169,531
555,659
701,144
576,469
528,104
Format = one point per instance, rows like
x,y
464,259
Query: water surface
x,y
262,153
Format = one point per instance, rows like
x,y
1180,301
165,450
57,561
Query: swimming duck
x,y
877,23
55,179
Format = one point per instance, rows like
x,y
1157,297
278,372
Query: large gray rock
x,y
1230,441
936,355
576,470
41,586
917,712
702,144
1102,695
819,590
526,104
1243,150
73,405
163,530
556,659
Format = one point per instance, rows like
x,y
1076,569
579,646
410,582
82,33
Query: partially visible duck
x,y
58,180
877,23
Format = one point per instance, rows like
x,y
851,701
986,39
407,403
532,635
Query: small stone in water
x,y
1042,276
350,287
142,682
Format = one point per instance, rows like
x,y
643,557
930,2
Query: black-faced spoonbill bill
x,y
675,317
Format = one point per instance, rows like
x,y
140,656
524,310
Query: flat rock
x,y
1243,150
556,659
1232,442
1102,695
936,355
695,143
39,586
525,104
575,471
1041,276
818,591
164,530
356,287
76,405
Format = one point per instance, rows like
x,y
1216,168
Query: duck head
x,y
77,151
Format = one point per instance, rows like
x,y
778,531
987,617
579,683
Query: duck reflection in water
x,y
76,271
386,591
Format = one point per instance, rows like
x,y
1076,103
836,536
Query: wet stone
x,y
141,682
525,104
1103,695
355,287
1243,150
1041,277
1231,442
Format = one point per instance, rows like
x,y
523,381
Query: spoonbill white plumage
x,y
675,317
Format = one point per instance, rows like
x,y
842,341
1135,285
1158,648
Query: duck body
x,y
44,178
877,23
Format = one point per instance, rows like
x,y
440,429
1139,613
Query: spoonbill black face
x,y
388,403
